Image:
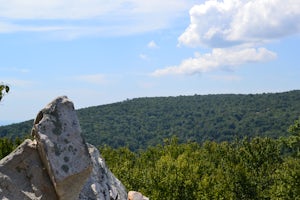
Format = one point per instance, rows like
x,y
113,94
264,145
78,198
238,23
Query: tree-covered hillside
x,y
260,168
143,122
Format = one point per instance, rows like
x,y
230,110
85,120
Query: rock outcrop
x,y
57,164
61,147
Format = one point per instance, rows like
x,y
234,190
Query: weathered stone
x,y
22,175
61,147
102,184
133,195
58,164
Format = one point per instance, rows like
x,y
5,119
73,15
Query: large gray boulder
x,y
61,147
57,164
23,177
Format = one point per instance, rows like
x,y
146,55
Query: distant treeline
x,y
143,122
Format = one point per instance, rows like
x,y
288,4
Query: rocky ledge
x,y
57,163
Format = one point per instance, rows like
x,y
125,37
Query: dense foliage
x,y
191,165
13,131
261,168
8,145
143,122
3,89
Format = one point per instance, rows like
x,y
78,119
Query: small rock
x,y
133,195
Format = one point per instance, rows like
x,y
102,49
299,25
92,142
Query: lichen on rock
x,y
56,124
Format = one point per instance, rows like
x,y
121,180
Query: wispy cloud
x,y
219,58
226,77
11,77
14,82
98,79
14,69
152,45
147,85
90,17
143,56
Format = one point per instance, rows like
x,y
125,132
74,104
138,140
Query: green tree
x,y
295,128
6,146
291,144
287,182
3,89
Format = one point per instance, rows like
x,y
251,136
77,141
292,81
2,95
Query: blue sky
x,y
98,52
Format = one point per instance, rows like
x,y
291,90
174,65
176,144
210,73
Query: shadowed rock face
x,y
58,164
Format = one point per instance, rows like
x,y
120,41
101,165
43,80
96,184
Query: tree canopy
x,y
142,122
259,163
259,168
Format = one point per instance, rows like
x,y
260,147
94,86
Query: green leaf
x,y
6,89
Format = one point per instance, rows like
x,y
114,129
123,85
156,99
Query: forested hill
x,y
141,122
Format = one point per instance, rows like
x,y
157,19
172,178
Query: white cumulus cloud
x,y
233,22
235,31
219,58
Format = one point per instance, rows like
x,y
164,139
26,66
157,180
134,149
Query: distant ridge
x,y
142,122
